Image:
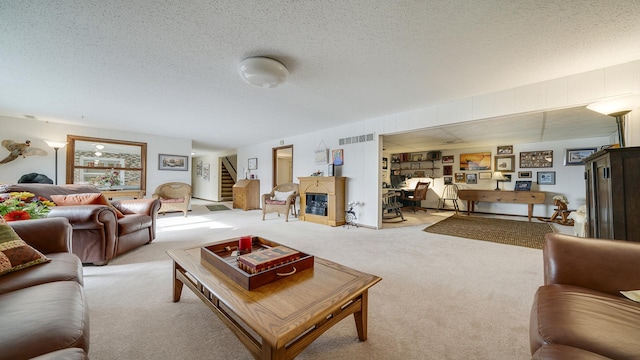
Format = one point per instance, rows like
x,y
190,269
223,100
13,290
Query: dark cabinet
x,y
613,194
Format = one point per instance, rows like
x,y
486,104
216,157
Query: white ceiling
x,y
169,68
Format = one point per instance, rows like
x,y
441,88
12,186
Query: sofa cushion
x,y
62,267
84,199
587,319
64,354
15,254
563,352
133,222
42,319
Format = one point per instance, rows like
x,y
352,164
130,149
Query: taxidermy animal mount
x,y
20,149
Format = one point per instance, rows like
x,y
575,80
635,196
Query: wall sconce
x,y
56,145
617,108
497,176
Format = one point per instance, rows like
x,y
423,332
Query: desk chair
x,y
419,194
450,192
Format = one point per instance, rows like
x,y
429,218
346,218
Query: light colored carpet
x,y
440,297
502,231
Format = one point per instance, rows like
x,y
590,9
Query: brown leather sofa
x,y
579,312
43,308
98,234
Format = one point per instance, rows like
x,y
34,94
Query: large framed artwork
x,y
475,161
173,162
536,159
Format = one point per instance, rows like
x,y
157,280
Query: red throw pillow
x,y
84,199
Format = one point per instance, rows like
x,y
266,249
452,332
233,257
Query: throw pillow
x,y
85,199
15,254
281,195
632,295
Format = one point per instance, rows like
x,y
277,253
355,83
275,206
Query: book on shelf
x,y
262,260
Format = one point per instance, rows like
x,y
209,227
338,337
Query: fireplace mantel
x,y
334,188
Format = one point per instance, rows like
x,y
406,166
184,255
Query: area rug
x,y
217,207
510,232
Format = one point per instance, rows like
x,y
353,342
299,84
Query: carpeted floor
x,y
217,207
510,232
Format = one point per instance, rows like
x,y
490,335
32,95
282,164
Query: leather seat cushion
x,y
62,267
65,354
176,200
563,352
42,319
133,222
598,322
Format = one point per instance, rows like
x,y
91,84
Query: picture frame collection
x,y
479,166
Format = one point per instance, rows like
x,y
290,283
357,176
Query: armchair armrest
x,y
138,206
48,235
603,265
267,197
85,216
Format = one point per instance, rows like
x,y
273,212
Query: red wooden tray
x,y
219,255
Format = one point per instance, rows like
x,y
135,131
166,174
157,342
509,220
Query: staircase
x,y
226,187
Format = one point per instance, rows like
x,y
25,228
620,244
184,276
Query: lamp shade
x,y
616,106
56,144
263,72
497,176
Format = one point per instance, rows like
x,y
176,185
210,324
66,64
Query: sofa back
x,y
46,190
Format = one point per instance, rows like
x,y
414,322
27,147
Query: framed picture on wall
x,y
173,162
546,177
253,163
448,180
472,178
448,159
577,156
536,159
338,157
524,174
505,163
485,175
475,161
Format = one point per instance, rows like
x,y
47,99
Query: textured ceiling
x,y
170,68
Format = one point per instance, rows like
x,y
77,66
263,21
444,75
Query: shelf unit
x,y
416,164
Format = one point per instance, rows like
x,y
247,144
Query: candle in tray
x,y
244,245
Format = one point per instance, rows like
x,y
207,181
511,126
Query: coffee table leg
x,y
361,316
177,284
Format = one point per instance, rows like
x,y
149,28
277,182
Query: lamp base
x,y
497,185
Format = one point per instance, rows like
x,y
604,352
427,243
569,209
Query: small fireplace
x,y
316,204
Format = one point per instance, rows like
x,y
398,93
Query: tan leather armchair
x,y
281,199
173,196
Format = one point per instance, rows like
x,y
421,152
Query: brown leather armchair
x,y
98,234
579,312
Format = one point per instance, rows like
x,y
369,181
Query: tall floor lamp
x,y
56,145
618,108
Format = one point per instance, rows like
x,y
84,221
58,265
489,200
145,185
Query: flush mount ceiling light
x,y
262,72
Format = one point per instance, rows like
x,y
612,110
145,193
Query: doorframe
x,y
274,163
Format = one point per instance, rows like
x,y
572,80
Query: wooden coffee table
x,y
280,319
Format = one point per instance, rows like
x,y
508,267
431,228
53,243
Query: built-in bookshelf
x,y
417,164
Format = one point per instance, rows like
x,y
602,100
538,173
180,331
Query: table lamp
x,y
497,176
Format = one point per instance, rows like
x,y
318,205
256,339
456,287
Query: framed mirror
x,y
116,167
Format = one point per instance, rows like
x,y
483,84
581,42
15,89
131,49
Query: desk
x,y
136,194
519,197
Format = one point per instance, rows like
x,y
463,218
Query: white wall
x,y
362,160
20,130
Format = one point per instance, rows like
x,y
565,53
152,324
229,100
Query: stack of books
x,y
262,260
